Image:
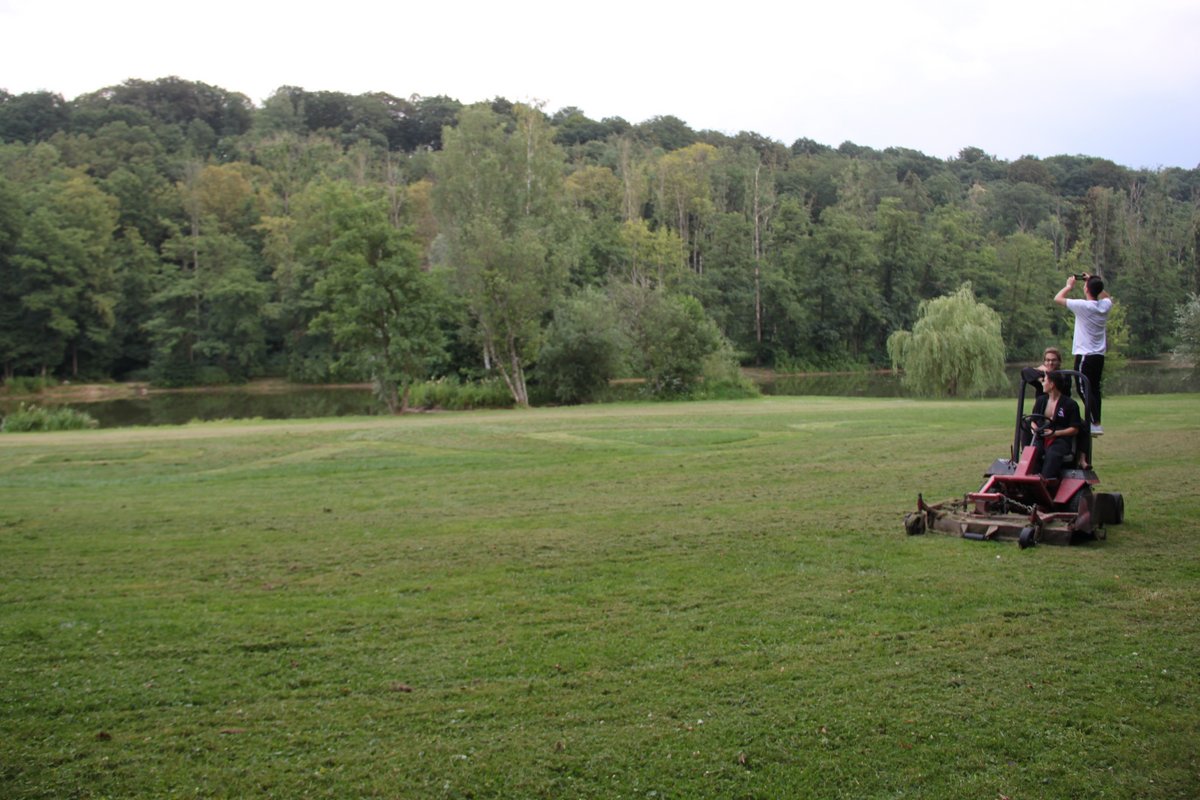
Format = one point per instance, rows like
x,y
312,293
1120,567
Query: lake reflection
x,y
178,408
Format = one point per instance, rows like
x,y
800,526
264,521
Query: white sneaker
x,y
1097,430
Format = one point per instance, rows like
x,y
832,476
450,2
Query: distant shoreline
x,y
97,392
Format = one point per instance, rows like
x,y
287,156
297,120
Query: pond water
x,y
176,408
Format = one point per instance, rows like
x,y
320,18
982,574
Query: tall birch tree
x,y
499,201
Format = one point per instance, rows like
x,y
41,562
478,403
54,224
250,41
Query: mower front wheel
x,y
1027,537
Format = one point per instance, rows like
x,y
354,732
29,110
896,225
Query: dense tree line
x,y
173,230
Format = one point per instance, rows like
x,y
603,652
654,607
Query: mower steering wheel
x,y
1042,423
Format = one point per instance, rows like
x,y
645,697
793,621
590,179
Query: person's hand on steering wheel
x,y
1041,425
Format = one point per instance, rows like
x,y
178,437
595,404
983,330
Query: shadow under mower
x,y
1015,503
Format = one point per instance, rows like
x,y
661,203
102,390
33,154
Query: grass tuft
x,y
32,417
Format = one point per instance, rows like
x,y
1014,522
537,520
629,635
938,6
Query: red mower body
x,y
1015,503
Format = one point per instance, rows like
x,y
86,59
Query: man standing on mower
x,y
1091,337
1054,437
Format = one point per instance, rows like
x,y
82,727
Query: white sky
x,y
1120,80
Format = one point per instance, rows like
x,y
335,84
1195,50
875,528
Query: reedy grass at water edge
x,y
659,600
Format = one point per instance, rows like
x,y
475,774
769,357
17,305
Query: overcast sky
x,y
1120,80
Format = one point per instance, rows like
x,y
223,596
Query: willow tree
x,y
499,200
954,349
1187,331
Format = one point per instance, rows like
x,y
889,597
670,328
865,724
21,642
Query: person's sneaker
x,y
1097,430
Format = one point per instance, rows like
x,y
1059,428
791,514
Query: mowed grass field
x,y
625,601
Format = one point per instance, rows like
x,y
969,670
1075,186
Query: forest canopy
x,y
174,231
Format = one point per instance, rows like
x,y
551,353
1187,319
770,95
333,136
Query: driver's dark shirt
x,y
1065,416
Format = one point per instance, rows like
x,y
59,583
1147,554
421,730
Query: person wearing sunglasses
x,y
1051,361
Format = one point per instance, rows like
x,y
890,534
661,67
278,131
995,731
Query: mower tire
x,y
1027,538
1110,507
914,523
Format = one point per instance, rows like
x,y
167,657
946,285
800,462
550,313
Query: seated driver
x,y
1055,444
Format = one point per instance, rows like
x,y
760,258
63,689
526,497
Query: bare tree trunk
x,y
517,381
514,379
522,391
528,125
758,332
395,191
630,207
192,176
508,367
391,398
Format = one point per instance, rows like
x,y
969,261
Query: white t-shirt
x,y
1091,323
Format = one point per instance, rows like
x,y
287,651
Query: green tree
x,y
683,190
1028,169
291,163
585,347
211,305
295,248
839,291
210,309
380,307
61,274
672,338
1102,216
650,259
1017,207
138,267
206,112
1028,278
954,349
730,287
1159,239
903,253
12,313
595,194
958,251
667,132
784,293
499,199
33,116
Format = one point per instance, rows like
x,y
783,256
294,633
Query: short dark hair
x,y
1095,285
1062,380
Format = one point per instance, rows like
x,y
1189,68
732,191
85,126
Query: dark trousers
x,y
1052,457
1092,366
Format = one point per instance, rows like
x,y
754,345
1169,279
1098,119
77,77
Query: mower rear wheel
x,y
1110,506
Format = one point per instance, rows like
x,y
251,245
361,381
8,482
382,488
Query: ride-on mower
x,y
1015,503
